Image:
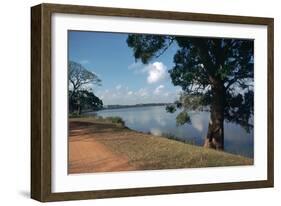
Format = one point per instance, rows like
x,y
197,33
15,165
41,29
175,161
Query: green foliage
x,y
80,95
171,108
183,118
84,99
145,46
74,115
116,120
192,101
203,64
242,105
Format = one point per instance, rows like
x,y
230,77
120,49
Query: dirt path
x,y
87,154
99,146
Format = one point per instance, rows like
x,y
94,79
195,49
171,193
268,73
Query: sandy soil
x,y
100,146
87,155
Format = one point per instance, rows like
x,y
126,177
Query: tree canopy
x,y
80,91
79,76
212,72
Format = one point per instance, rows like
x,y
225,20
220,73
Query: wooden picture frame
x,y
41,152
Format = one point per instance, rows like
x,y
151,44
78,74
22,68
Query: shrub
x,y
116,120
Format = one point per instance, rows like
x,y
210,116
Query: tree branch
x,y
165,48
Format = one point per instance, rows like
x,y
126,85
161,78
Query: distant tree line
x,y
118,106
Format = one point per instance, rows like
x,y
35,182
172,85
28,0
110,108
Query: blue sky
x,y
124,81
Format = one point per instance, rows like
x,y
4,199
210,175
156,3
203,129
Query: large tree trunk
x,y
215,135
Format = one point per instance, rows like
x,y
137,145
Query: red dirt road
x,y
87,154
100,146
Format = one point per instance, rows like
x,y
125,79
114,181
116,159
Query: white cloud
x,y
158,89
127,96
142,92
156,72
118,87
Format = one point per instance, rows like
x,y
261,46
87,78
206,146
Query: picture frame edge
x,y
35,153
41,103
270,100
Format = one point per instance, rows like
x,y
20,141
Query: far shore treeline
x,y
118,106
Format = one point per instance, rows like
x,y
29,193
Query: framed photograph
x,y
130,102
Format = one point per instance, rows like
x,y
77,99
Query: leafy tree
x,y
80,96
214,74
84,99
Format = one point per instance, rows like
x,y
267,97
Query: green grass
x,y
114,120
147,152
173,137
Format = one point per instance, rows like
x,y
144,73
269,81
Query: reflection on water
x,y
157,121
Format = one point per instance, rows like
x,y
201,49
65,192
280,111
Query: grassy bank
x,y
145,151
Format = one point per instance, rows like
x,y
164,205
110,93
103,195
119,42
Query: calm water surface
x,y
157,121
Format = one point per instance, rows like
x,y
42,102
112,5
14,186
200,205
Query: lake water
x,y
157,121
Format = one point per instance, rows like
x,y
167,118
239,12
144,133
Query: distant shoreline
x,y
110,107
117,106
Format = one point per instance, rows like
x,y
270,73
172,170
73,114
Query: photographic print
x,y
131,102
151,102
